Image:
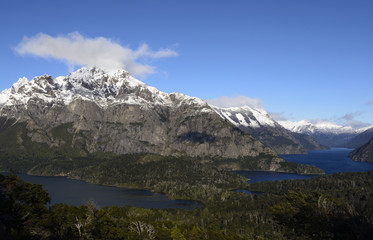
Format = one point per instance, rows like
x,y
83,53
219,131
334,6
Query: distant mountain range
x,y
259,124
326,133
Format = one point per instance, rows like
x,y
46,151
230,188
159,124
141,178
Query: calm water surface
x,y
69,191
331,161
64,190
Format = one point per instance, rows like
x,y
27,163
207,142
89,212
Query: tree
x,y
22,205
176,234
317,216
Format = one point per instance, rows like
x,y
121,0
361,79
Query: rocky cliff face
x,y
95,111
263,127
363,153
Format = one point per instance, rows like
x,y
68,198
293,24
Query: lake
x,y
331,161
69,191
76,192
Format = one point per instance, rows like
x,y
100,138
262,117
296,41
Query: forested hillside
x,y
338,206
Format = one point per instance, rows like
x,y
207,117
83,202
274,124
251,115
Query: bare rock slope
x,y
96,111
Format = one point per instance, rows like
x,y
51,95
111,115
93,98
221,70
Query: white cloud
x,y
279,116
369,103
75,49
349,119
236,101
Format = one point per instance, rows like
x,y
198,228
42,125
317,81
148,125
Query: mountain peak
x,y
90,83
98,73
95,84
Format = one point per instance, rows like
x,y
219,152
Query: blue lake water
x,y
76,192
331,161
64,190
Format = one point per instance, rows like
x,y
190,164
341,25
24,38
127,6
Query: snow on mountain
x,y
246,116
95,84
327,133
258,123
92,110
306,127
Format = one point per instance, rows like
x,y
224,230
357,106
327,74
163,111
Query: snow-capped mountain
x,y
307,127
325,132
92,111
258,123
92,84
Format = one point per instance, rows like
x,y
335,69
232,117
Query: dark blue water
x,y
69,191
331,161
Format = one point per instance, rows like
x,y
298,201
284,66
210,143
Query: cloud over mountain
x,y
279,116
236,101
75,49
350,120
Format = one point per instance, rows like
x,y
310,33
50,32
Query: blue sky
x,y
299,59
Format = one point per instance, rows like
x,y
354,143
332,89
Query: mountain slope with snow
x,y
258,123
91,110
327,133
92,84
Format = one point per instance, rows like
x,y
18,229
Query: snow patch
x,y
246,116
241,120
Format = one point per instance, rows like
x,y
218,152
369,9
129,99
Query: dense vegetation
x,y
154,172
182,178
338,206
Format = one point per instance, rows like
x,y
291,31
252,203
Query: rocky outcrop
x,y
363,153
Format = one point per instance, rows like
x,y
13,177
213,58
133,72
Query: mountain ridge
x,y
327,133
258,123
92,84
89,97
360,139
363,153
93,114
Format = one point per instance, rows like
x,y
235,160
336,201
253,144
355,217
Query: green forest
x,y
338,206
